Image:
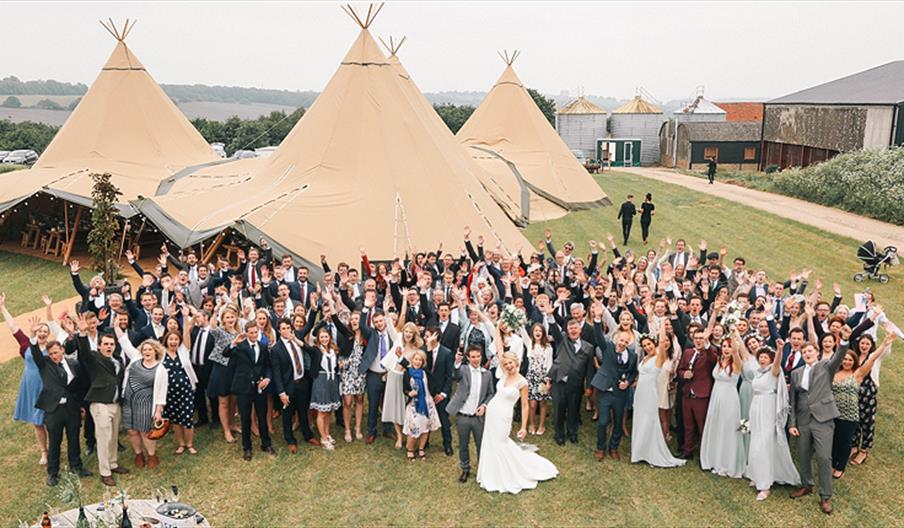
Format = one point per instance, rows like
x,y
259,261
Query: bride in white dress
x,y
504,466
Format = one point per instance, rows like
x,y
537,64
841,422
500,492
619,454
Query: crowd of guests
x,y
679,350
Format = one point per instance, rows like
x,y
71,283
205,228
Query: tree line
x,y
455,115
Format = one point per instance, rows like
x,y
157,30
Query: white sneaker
x,y
761,496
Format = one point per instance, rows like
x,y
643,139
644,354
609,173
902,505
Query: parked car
x,y
219,148
3,154
21,157
244,154
579,154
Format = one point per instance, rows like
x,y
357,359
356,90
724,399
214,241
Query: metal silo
x,y
580,123
639,119
700,110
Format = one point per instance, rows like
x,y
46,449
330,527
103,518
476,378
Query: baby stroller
x,y
873,260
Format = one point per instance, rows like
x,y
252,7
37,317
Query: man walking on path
x,y
711,169
626,212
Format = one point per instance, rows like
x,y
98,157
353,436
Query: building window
x,y
711,152
749,153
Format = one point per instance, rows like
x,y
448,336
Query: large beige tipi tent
x,y
509,127
361,168
125,125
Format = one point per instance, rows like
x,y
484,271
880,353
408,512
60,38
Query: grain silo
x,y
580,123
639,119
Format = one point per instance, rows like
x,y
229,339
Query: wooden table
x,y
138,511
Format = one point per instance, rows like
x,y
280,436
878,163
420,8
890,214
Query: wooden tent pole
x,y
71,243
214,247
66,219
122,242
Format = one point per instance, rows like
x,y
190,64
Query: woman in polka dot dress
x,y
180,397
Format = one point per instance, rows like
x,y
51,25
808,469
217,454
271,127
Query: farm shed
x,y
735,145
860,111
620,152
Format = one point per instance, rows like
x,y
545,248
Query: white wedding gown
x,y
504,466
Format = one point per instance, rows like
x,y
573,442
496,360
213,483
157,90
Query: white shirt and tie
x,y
473,401
197,354
375,365
805,378
297,361
69,376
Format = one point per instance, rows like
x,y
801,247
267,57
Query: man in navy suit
x,y
292,380
616,373
252,376
440,365
793,353
378,345
202,344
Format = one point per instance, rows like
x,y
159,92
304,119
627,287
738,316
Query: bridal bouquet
x,y
744,426
513,317
733,314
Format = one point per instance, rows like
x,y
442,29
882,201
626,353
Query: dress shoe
x,y
314,442
614,454
599,454
293,448
153,461
560,441
119,470
269,450
573,439
370,439
119,447
246,456
89,450
464,475
800,492
108,481
139,460
448,450
52,480
826,506
214,426
82,472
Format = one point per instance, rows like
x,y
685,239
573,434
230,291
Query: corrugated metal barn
x,y
639,119
580,123
861,111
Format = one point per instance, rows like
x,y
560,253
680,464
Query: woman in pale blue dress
x,y
30,385
720,448
647,442
749,367
769,460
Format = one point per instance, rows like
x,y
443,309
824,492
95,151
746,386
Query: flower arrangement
x,y
733,314
744,426
513,317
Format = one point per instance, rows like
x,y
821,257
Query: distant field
x,y
31,100
209,110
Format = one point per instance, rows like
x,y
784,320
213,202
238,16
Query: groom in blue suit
x,y
616,374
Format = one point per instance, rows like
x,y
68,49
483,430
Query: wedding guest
x,y
617,371
846,389
325,398
474,390
223,370
378,340
421,416
409,341
59,401
439,369
749,367
106,374
144,395
30,384
769,460
647,210
666,384
572,370
539,361
647,437
721,446
181,385
252,376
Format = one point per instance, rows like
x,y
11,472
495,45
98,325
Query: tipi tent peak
x,y
393,46
368,19
507,58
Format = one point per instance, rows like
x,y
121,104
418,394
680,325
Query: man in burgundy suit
x,y
695,375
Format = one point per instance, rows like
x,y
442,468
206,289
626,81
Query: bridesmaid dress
x,y
721,447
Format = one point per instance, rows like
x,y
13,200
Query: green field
x,y
374,485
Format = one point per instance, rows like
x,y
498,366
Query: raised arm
x,y
777,361
10,322
867,365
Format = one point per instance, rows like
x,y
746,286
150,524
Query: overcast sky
x,y
736,50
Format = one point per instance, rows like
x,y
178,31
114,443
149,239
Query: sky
x,y
735,50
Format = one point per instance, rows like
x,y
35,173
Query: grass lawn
x,y
374,485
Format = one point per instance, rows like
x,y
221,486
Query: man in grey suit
x,y
812,421
469,403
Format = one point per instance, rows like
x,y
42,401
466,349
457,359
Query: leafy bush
x,y
770,169
12,102
48,104
868,182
